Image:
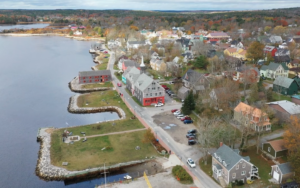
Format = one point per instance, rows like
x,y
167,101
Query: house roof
x,y
273,66
218,34
283,81
183,90
296,96
128,63
284,58
277,145
295,61
228,155
192,76
269,48
136,42
94,73
285,168
132,74
275,39
242,107
288,106
143,81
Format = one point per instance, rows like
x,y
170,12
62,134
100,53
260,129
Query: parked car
x,y
192,131
172,82
172,94
190,134
192,142
186,118
174,110
187,121
159,104
177,112
119,84
191,163
191,138
179,116
164,86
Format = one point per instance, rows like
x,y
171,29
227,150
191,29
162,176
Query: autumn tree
x,y
292,139
253,97
255,51
154,40
148,136
267,29
279,30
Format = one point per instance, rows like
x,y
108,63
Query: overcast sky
x,y
149,4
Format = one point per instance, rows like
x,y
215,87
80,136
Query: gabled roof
x,y
245,108
269,48
288,106
143,81
131,63
285,168
277,145
94,73
192,76
274,66
283,81
284,58
228,155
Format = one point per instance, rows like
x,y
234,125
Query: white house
x,y
273,70
77,33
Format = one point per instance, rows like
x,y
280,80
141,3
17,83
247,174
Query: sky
x,y
149,4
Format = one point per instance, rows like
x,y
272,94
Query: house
x,y
223,98
273,70
78,33
236,52
233,62
129,63
247,74
285,86
88,77
228,166
135,44
254,117
193,78
282,52
282,172
172,67
130,71
217,36
284,109
183,92
185,43
148,91
294,64
270,49
296,99
236,44
158,64
121,60
275,39
274,148
282,59
187,56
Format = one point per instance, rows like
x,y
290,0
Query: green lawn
x,y
89,154
119,76
102,66
96,85
279,97
116,67
155,73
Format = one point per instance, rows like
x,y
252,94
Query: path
x,y
130,131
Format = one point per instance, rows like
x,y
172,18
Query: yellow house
x,y
158,64
236,52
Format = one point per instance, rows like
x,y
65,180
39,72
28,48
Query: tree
x,y
71,33
188,104
267,29
291,139
270,59
279,30
154,40
255,51
200,62
253,97
148,136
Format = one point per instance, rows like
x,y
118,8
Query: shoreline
x,y
51,34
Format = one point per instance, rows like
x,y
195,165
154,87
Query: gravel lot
x,y
178,132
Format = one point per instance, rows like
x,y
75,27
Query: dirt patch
x,y
151,168
173,126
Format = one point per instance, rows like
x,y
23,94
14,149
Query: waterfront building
x,y
86,77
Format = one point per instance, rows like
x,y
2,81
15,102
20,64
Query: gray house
x,y
228,166
192,78
130,78
282,172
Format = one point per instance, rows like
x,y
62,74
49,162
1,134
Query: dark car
x,y
192,131
190,134
191,138
187,121
191,142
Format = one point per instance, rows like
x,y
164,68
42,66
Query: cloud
x,y
149,4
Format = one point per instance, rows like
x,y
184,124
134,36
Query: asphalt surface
x,y
183,152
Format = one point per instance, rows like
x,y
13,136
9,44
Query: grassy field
x,y
279,97
154,73
116,67
102,66
119,76
96,85
83,155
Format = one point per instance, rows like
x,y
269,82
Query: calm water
x,y
34,93
22,26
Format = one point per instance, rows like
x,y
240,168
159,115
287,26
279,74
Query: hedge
x,y
181,174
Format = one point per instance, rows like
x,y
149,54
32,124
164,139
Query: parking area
x,y
173,126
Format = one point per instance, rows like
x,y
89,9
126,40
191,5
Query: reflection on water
x,y
22,26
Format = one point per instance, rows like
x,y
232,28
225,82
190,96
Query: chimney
x,y
221,144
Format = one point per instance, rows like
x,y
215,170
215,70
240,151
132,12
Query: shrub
x,y
181,173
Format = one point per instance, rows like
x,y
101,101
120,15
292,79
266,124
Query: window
x,y
155,94
150,94
233,175
237,167
244,165
157,88
269,149
243,172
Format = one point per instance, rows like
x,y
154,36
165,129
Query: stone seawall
x,y
75,87
49,172
73,108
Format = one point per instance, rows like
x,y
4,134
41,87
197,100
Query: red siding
x,y
149,101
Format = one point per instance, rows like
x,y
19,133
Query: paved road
x,y
181,150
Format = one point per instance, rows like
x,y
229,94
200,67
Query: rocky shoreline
x,y
75,87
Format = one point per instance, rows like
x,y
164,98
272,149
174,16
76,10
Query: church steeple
x,y
143,66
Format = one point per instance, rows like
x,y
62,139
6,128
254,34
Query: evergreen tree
x,y
188,104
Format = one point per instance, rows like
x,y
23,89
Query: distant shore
x,y
51,34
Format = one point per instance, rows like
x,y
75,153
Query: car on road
x,y
119,84
105,52
191,163
159,104
187,121
193,131
174,110
186,118
177,112
192,142
191,134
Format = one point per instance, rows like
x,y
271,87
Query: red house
x,y
87,77
270,49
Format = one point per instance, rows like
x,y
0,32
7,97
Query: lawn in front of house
x,y
119,76
96,85
89,154
155,74
279,97
102,66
